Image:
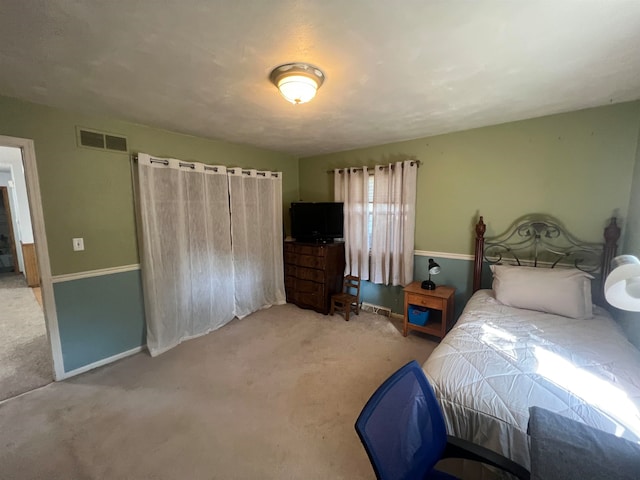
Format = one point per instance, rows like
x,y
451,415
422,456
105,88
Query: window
x,y
389,260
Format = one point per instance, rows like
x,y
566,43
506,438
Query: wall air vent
x,y
115,143
101,140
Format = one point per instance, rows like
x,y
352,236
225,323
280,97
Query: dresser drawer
x,y
307,286
305,273
289,282
311,300
315,250
306,294
305,260
429,302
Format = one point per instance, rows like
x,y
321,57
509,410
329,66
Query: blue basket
x,y
418,315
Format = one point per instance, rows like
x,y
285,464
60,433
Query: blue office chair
x,y
403,431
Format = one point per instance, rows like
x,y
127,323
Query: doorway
x,y
8,256
30,354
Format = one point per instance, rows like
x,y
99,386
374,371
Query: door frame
x,y
6,204
42,250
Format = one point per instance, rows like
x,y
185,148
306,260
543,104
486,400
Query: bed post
x,y
478,255
611,236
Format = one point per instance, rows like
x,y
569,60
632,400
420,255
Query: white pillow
x,y
562,291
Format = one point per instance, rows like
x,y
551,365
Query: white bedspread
x,y
498,361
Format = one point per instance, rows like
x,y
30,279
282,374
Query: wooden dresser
x,y
312,273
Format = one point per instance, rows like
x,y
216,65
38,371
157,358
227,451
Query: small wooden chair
x,y
349,299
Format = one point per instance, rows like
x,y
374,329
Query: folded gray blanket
x,y
562,448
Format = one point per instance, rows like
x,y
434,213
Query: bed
x,y
536,340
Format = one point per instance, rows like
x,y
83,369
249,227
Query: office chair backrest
x,y
401,426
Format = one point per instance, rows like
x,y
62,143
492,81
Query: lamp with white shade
x,y
622,286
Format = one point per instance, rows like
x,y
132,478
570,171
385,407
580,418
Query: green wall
x,y
577,166
631,320
632,237
88,193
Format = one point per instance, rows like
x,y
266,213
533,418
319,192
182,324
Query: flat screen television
x,y
318,222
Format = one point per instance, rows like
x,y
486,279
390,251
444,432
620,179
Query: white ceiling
x,y
395,69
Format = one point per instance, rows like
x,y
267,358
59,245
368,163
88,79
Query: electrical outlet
x,y
78,244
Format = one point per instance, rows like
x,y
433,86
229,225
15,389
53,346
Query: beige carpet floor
x,y
272,396
25,357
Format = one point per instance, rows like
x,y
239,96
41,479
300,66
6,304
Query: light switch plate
x,y
78,244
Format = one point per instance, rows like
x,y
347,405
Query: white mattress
x,y
498,361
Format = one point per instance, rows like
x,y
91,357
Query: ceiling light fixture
x,y
297,82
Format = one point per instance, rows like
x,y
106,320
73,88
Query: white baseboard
x,y
103,362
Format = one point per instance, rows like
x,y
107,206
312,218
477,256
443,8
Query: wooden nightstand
x,y
440,305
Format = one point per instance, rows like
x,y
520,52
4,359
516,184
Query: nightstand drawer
x,y
429,302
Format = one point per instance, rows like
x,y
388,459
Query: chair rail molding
x,y
452,256
67,277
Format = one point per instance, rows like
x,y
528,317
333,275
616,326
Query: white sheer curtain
x,y
394,223
388,259
185,250
256,232
351,186
211,246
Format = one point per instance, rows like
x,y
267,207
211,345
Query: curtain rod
x,y
206,167
340,170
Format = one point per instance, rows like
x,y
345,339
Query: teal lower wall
x,y
453,272
99,317
103,316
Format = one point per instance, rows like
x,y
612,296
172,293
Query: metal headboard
x,y
541,240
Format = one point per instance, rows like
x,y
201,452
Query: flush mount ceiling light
x,y
297,82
